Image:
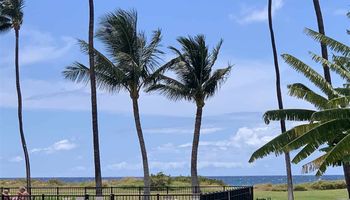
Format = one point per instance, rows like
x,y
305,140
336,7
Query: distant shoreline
x,y
228,180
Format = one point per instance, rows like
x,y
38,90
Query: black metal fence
x,y
233,193
105,197
118,190
240,193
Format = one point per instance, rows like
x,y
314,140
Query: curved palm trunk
x,y
346,168
280,102
195,145
98,177
146,177
20,121
324,51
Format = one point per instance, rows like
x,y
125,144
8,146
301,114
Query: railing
x,y
104,197
242,193
233,193
118,190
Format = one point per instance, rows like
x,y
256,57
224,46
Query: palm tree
x,y
324,50
195,82
131,65
11,17
98,178
280,102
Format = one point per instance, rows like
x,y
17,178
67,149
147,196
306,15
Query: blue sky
x,y
56,111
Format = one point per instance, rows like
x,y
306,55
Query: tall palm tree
x,y
131,65
324,50
98,178
280,102
196,81
11,17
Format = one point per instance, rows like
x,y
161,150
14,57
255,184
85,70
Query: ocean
x,y
229,180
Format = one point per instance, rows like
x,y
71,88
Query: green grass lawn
x,y
304,195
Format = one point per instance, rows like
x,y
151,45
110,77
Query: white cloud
x,y
16,159
124,165
206,130
249,15
37,46
62,145
173,165
244,137
214,164
168,165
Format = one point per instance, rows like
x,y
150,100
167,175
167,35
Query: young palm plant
x,y
11,17
329,126
195,81
131,65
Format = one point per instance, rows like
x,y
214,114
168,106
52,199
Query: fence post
x,y
111,190
157,196
112,196
167,189
251,191
2,196
85,191
57,191
228,195
86,196
43,197
224,188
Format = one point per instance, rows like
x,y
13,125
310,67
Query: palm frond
x,y
288,114
215,53
215,81
302,92
320,134
331,43
345,74
338,152
303,153
5,23
77,72
340,102
313,165
344,91
277,144
170,91
329,114
311,74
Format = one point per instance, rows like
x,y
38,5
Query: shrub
x,y
160,180
300,188
54,182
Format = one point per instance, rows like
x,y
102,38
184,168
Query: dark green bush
x,y
300,188
160,180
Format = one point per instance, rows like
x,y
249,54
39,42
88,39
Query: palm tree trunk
x,y
195,145
146,177
327,75
20,121
280,102
346,168
98,176
324,51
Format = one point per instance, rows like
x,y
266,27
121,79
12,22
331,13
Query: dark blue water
x,y
229,180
